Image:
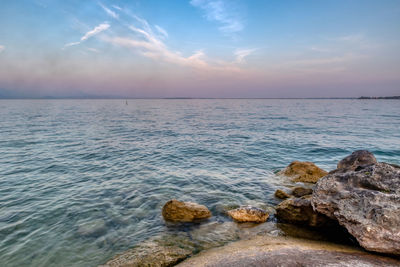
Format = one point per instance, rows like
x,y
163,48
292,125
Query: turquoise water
x,y
81,180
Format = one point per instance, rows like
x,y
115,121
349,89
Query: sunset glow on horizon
x,y
199,48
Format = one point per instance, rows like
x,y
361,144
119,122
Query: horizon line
x,y
185,98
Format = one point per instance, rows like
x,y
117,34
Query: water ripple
x,y
81,180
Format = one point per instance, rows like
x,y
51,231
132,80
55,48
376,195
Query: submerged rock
x,y
153,253
299,211
301,191
306,172
281,194
248,214
179,211
282,251
93,228
366,202
356,159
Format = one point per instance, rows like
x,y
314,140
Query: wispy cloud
x,y
357,37
109,11
217,10
161,31
320,49
98,29
93,50
116,7
151,46
2,48
241,54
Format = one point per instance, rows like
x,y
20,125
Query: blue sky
x,y
200,48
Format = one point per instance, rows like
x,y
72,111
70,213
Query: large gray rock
x,y
366,202
356,159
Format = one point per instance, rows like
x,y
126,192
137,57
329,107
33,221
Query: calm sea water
x,y
81,180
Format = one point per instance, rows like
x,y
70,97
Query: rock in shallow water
x,y
248,214
356,159
306,172
93,228
366,202
154,253
179,211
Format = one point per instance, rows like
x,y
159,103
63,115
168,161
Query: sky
x,y
199,48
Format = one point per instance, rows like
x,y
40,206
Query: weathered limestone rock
x,y
306,172
301,191
357,158
281,194
299,211
366,202
179,211
283,251
248,214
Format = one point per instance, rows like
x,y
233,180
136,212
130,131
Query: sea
x,y
84,180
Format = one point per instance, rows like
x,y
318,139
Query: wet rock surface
x,y
299,211
178,211
356,159
306,172
281,194
301,191
366,202
249,214
280,251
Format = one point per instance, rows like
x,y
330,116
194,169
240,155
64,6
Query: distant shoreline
x,y
380,97
202,98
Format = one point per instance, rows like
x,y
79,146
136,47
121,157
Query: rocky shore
x,y
360,200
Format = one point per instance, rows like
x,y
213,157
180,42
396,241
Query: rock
x,y
301,191
154,253
249,214
357,158
366,202
299,211
214,234
306,172
93,228
179,211
283,251
281,194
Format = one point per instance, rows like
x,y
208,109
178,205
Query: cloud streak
x,y
163,32
98,29
109,11
2,48
151,46
241,54
217,10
